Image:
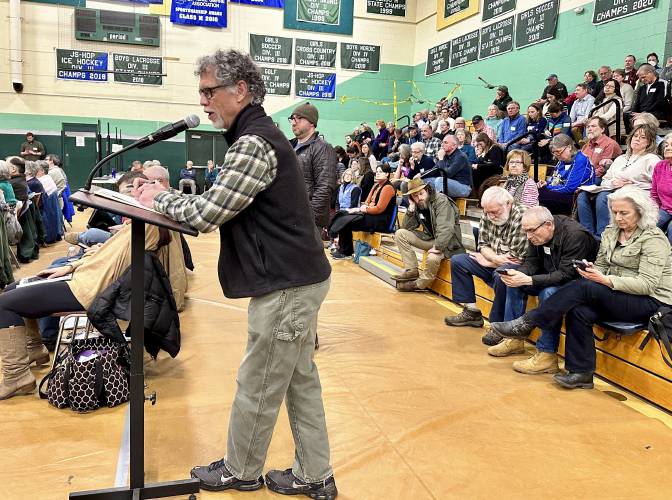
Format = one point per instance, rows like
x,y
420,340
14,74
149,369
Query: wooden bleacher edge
x,y
619,359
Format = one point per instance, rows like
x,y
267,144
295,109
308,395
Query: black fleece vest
x,y
273,244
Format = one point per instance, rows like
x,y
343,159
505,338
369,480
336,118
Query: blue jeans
x,y
664,219
455,189
516,300
462,270
593,214
93,236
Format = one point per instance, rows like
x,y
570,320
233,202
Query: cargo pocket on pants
x,y
288,326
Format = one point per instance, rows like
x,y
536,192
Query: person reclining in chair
x,y
440,235
188,177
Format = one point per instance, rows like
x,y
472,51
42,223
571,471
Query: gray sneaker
x,y
216,477
466,318
286,483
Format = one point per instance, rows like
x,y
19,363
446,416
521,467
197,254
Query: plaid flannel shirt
x,y
509,238
432,146
249,167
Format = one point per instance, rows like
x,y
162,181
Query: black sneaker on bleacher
x,y
339,256
286,483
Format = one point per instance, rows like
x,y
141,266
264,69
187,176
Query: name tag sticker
x,y
531,127
567,124
513,129
652,90
547,251
422,217
598,150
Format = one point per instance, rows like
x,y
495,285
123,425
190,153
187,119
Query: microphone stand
x,y
137,488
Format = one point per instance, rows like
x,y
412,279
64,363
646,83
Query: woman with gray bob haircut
x,y
230,67
629,281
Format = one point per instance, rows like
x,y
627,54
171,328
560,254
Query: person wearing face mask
x,y
374,215
518,182
661,187
501,244
652,59
635,167
554,243
630,280
440,235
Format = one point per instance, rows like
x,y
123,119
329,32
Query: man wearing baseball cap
x,y
553,83
317,160
480,126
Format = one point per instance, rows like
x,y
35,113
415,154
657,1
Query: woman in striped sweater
x,y
517,181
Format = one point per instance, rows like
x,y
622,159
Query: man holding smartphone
x,y
555,244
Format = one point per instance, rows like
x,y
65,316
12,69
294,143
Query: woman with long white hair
x,y
630,280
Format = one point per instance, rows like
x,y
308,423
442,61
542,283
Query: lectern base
x,y
158,490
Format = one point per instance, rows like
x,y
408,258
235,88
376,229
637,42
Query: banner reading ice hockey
x,y
263,3
315,84
208,13
610,10
318,11
360,57
81,65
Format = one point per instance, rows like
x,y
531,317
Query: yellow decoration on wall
x,y
160,9
452,11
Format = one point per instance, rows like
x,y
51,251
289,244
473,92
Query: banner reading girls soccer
x,y
263,3
209,13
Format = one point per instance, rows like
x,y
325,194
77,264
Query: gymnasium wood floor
x,y
415,410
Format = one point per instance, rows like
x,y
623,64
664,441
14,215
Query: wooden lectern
x,y
137,488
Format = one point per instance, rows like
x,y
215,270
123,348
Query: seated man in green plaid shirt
x,y
502,244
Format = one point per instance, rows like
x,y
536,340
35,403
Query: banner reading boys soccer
x,y
209,13
263,3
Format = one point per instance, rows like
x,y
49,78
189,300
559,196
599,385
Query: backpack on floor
x,y
91,373
660,329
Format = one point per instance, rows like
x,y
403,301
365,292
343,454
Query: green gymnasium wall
x,y
578,46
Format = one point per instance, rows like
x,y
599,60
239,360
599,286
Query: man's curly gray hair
x,y
232,66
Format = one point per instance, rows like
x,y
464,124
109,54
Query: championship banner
x,y
270,49
276,80
81,65
278,4
452,11
208,13
315,84
386,7
495,8
610,10
142,70
325,16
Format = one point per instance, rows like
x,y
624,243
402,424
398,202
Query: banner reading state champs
x,y
263,3
209,13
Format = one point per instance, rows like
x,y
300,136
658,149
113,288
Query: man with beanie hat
x,y
317,160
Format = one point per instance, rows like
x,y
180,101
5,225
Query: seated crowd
x,y
96,267
597,229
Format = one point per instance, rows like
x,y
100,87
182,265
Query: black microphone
x,y
168,131
487,84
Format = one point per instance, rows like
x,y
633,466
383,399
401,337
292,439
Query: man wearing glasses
x,y
317,160
269,251
554,242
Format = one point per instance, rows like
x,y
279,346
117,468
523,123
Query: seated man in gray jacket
x,y
440,234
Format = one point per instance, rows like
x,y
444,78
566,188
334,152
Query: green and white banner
x,y
318,11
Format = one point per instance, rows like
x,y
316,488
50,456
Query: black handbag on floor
x,y
91,373
660,329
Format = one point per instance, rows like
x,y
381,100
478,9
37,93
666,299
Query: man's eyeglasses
x,y
532,231
558,152
294,118
208,92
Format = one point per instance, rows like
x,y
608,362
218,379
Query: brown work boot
x,y
541,362
37,352
490,337
17,378
407,286
406,275
71,237
507,347
467,317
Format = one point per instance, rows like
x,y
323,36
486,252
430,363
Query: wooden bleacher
x,y
619,360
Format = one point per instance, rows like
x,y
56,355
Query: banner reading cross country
x,y
208,13
318,11
262,3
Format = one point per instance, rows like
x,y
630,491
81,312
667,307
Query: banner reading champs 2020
x,y
208,13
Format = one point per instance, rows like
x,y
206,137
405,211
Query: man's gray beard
x,y
422,205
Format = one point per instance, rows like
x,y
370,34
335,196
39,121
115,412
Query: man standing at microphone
x,y
270,251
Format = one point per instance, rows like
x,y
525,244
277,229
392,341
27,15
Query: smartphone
x,y
502,271
580,264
